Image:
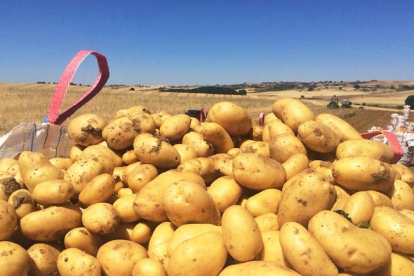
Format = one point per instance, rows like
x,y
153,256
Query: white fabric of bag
x,y
51,140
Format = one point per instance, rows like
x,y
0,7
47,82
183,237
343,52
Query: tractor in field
x,y
333,103
200,114
346,104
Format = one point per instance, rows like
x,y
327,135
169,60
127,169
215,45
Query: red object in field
x,y
200,114
53,116
392,142
261,119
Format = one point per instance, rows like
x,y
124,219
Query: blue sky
x,y
209,42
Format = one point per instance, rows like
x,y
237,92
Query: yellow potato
x,y
295,164
304,252
267,222
129,157
75,152
86,129
401,195
52,192
341,197
61,163
322,167
101,218
270,117
272,250
380,199
370,148
217,136
160,117
408,213
233,118
22,202
98,189
158,244
14,261
283,147
223,163
266,201
350,248
141,233
318,137
196,141
292,112
225,192
344,130
102,151
8,220
275,128
148,267
84,240
406,175
241,234
186,152
359,207
400,264
261,268
73,259
8,185
257,133
205,167
257,147
43,259
175,127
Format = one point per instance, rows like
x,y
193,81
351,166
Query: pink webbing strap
x,y
53,116
392,142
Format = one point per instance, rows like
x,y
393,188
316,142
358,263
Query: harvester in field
x,y
333,103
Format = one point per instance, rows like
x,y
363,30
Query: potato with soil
x,y
205,167
205,254
344,130
352,249
36,168
283,147
318,137
266,201
241,234
81,238
52,223
267,222
225,192
361,173
233,118
160,117
154,151
22,202
258,172
120,133
8,220
406,175
304,252
305,197
102,151
401,195
86,129
257,147
14,259
196,141
223,163
43,259
186,152
292,112
370,148
148,203
175,127
73,259
218,137
141,176
101,218
53,192
8,185
118,257
185,202
397,228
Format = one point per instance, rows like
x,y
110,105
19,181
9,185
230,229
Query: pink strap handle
x,y
53,116
392,142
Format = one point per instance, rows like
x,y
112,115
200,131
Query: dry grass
x,y
29,103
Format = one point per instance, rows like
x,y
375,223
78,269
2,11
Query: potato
x,y
186,152
233,152
8,185
175,127
101,218
148,266
160,117
401,195
122,232
36,168
257,268
318,137
159,153
257,132
380,199
305,197
73,259
400,264
205,254
52,192
324,168
56,221
186,201
359,207
233,118
43,259
22,202
86,129
344,130
194,123
6,164
8,220
369,148
225,192
124,206
258,172
141,233
408,213
295,164
406,175
363,173
241,234
304,252
129,157
267,222
196,141
292,112
131,110
124,192
98,189
148,203
61,163
272,250
84,170
294,178
140,176
205,167
341,198
397,228
81,238
350,248
127,171
270,117
257,147
266,201
102,151
158,244
121,132
118,257
223,163
217,136
275,128
14,259
283,147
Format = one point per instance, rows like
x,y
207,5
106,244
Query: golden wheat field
x,y
23,103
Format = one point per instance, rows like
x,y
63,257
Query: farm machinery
x,y
334,103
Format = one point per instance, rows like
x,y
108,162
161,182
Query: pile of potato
x,y
161,194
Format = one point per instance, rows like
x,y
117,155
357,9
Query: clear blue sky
x,y
209,42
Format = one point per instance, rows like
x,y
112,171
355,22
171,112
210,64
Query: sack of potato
x,y
166,194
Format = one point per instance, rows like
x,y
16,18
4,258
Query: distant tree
x,y
311,88
132,89
357,86
410,101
